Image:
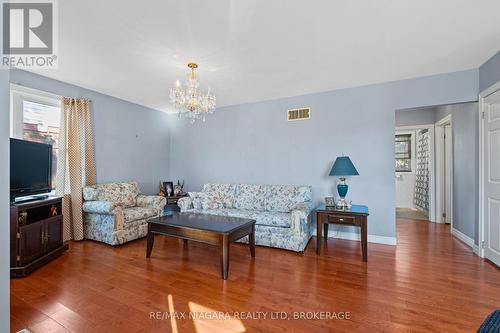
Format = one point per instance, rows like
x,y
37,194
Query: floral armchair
x,y
117,213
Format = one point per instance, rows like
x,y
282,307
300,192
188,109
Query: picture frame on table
x,y
329,201
169,189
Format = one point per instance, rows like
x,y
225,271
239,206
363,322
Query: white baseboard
x,y
466,239
371,238
356,237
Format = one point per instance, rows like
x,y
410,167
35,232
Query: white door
x,y
492,177
448,172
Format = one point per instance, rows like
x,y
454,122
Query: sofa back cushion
x,y
211,200
196,199
250,197
283,198
224,191
124,194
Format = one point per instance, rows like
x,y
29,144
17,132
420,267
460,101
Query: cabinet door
x,y
30,242
13,235
54,233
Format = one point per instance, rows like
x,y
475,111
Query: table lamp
x,y
341,168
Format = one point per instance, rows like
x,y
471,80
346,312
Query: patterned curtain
x,y
76,162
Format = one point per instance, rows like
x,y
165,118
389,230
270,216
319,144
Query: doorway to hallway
x,y
450,173
414,154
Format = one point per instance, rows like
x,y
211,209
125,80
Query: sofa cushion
x,y
250,197
124,194
211,200
195,199
283,198
138,213
272,219
225,191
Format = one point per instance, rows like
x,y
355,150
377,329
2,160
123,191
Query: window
x,y
36,117
403,153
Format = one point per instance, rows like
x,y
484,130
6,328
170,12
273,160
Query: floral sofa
x,y
282,212
117,213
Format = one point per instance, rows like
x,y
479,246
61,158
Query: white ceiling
x,y
251,50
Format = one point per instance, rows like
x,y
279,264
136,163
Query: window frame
x,y
20,94
413,147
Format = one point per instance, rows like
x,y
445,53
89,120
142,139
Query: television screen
x,y
30,168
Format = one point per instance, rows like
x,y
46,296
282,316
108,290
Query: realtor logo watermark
x,y
29,34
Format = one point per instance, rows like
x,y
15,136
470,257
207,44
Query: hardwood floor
x,y
430,282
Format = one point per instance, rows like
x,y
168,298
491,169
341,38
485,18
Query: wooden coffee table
x,y
210,229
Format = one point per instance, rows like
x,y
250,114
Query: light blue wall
x,y
465,121
4,202
489,72
413,117
132,141
253,143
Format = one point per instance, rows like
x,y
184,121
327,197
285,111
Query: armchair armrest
x,y
105,208
185,203
301,215
152,201
101,207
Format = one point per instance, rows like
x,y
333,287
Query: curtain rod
x,y
71,97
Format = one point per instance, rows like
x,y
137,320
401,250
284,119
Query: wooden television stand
x,y
36,235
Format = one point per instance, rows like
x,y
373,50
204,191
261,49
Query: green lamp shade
x,y
343,167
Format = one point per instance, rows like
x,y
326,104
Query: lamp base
x,y
342,187
343,204
342,190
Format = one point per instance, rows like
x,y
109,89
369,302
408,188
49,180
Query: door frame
x,y
432,178
481,111
440,170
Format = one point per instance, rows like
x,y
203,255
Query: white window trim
x,y
19,94
413,153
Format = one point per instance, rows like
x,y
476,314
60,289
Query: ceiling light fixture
x,y
189,100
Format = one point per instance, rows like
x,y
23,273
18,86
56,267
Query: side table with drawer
x,y
356,216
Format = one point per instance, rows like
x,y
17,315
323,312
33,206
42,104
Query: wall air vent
x,y
299,114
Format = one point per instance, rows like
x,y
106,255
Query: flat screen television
x,y
30,168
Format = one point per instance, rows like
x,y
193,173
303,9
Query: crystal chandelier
x,y
189,100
